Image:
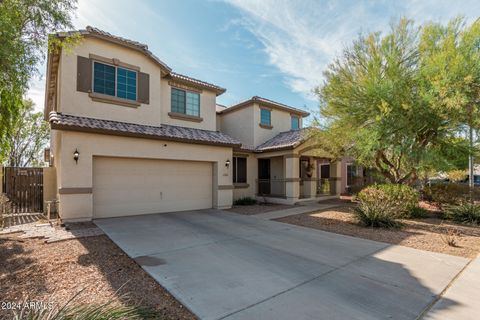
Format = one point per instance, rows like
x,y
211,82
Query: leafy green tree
x,y
27,137
374,108
450,70
24,29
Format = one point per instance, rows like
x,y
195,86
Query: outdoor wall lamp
x,y
76,155
227,163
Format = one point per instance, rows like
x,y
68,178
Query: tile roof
x,y
284,140
164,132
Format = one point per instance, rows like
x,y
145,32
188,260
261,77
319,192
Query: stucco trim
x,y
114,61
75,190
265,126
225,187
289,156
292,179
186,117
182,86
98,97
241,185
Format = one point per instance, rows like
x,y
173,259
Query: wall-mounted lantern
x,y
227,163
76,155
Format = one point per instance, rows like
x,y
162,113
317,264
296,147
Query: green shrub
x,y
377,213
401,198
417,212
449,193
464,213
245,201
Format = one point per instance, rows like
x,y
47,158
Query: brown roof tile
x,y
163,132
284,140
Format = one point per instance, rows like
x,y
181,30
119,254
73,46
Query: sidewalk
x,y
460,301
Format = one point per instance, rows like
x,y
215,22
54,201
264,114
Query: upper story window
x,y
295,122
265,117
114,81
186,102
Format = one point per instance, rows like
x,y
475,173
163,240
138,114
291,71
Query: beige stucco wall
x,y
239,124
79,103
72,175
243,124
207,109
280,121
252,174
49,185
70,101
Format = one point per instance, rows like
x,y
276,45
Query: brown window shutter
x,y
84,74
143,88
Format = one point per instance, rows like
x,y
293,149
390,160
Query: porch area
x,y
296,177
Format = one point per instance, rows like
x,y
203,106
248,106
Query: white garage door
x,y
127,186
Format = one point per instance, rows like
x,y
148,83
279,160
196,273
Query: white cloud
x,y
302,37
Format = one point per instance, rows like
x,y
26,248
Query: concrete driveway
x,y
223,265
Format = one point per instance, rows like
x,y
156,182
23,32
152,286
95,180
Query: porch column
x,y
336,175
292,177
310,184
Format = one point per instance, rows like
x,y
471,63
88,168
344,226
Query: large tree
x,y
374,107
450,67
24,29
27,138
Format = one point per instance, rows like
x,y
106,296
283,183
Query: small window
x,y
265,117
114,81
185,102
351,174
295,122
239,170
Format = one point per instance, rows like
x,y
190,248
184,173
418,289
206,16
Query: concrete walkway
x,y
293,211
223,265
461,300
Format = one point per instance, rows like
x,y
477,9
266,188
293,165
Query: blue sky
x,y
271,48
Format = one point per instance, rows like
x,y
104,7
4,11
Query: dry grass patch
x,y
425,234
55,272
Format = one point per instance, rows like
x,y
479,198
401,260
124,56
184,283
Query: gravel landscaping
x,y
259,208
33,270
424,234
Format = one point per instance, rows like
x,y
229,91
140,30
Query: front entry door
x,y
263,176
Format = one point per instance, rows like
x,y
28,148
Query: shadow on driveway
x,y
222,265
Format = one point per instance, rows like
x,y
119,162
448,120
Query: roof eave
x,y
56,126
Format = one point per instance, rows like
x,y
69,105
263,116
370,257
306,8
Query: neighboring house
x,y
130,136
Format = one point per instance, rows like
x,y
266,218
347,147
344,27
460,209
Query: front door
x,y
263,176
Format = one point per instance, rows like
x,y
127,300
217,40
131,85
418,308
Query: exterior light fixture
x,y
227,163
76,155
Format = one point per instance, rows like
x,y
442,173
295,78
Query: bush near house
x,y
402,197
465,213
449,194
381,205
245,201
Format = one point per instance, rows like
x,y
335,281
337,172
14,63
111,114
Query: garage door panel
x,y
124,186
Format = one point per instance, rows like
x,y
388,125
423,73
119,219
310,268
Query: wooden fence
x,y
24,188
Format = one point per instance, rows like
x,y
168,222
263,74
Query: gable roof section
x,y
165,132
285,140
267,103
100,34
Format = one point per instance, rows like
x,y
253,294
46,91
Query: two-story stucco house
x,y
130,136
